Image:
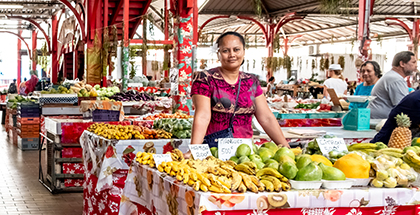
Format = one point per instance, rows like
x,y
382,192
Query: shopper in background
x,y
22,87
30,85
214,94
271,87
370,72
392,87
409,105
12,87
336,81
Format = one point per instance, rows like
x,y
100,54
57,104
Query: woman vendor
x,y
370,72
214,94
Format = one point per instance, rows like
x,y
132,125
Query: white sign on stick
x,y
200,151
328,144
227,147
159,158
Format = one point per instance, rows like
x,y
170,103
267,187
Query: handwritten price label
x,y
328,144
159,158
200,151
227,147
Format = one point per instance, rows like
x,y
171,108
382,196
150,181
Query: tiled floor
x,y
20,191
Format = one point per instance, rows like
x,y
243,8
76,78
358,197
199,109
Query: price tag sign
x,y
200,151
159,158
227,147
328,144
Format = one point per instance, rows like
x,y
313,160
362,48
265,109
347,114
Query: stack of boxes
x,y
28,126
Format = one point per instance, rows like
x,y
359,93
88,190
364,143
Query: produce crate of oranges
x,y
167,116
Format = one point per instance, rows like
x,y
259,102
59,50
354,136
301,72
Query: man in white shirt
x,y
392,87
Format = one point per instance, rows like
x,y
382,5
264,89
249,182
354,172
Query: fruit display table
x,y
162,194
106,170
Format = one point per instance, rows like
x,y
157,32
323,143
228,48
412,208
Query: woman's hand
x,y
187,155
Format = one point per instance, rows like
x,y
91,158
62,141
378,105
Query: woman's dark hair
x,y
241,38
271,79
375,65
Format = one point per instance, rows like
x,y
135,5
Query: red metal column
x,y
19,61
365,10
34,40
54,57
126,22
166,32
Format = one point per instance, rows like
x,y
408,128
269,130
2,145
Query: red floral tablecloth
x,y
149,89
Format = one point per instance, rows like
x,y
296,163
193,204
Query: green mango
x,y
288,169
331,173
243,150
255,148
265,153
303,161
415,141
270,145
311,172
255,157
259,164
284,158
213,151
273,165
284,151
243,159
234,159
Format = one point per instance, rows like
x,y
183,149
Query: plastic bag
x,y
392,172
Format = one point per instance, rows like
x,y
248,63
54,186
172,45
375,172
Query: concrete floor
x,y
20,191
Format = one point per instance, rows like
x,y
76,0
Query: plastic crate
x,y
357,119
292,116
28,120
26,127
27,134
29,115
28,105
105,115
28,143
29,110
80,99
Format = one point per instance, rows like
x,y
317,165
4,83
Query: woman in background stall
x,y
370,72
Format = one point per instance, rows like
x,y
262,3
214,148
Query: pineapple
x,y
401,135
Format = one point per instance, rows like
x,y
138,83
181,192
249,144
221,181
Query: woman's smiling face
x,y
368,74
231,52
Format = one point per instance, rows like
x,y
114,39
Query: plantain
x,y
186,176
236,180
242,188
245,168
361,146
203,179
286,186
215,189
230,163
225,182
268,185
249,184
391,150
204,188
268,171
276,182
196,185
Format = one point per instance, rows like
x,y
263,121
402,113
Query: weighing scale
x,y
357,119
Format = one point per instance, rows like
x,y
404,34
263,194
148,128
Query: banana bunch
x,y
249,168
162,134
199,181
145,158
177,155
273,180
393,152
119,132
412,159
367,147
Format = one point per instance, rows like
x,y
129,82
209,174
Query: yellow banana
x,y
269,187
276,182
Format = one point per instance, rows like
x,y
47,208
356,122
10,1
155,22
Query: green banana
x,y
361,146
391,150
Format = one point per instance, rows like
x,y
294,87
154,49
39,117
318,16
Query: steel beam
x,y
34,40
54,57
37,25
139,20
78,17
19,66
116,11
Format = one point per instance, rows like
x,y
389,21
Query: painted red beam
x,y
138,21
34,40
22,39
160,42
37,25
285,21
116,11
400,23
209,20
78,17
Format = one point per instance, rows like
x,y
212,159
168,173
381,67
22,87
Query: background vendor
x,y
214,93
370,72
409,105
336,81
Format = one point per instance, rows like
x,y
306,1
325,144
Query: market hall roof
x,y
315,28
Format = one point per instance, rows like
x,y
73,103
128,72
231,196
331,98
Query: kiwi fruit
x,y
277,200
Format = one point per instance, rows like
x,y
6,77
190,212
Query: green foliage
x,y
341,61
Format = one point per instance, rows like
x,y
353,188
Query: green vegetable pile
x,y
308,106
13,103
180,128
